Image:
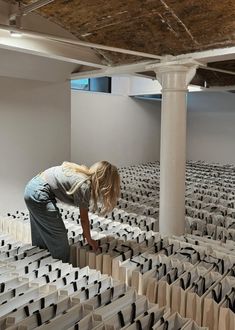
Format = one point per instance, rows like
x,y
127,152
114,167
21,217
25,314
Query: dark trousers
x,y
47,227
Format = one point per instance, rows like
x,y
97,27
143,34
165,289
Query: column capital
x,y
175,77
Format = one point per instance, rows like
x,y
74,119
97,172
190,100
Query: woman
x,y
73,184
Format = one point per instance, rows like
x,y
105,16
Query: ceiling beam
x,y
172,61
220,88
115,70
75,51
213,55
51,49
90,74
187,61
209,68
24,10
145,66
78,42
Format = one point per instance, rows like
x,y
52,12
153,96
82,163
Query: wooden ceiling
x,y
161,27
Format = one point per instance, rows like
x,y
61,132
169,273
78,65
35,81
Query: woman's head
x,y
105,182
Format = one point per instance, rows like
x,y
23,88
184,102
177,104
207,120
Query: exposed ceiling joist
x,y
209,68
168,60
147,67
187,61
77,42
213,55
24,10
51,49
115,70
171,61
90,74
132,68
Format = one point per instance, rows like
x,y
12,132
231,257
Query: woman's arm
x,y
86,228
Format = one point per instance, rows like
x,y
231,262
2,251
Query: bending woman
x,y
73,184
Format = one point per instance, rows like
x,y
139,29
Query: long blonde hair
x,y
105,183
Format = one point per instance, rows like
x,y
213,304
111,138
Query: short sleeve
x,y
82,196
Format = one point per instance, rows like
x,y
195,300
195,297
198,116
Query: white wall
x,y
140,86
26,66
211,127
120,85
34,133
113,127
127,131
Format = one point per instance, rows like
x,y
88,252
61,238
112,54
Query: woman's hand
x,y
86,229
94,244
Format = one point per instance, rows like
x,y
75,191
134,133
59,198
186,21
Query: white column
x,y
174,80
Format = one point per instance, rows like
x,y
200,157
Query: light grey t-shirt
x,y
61,181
